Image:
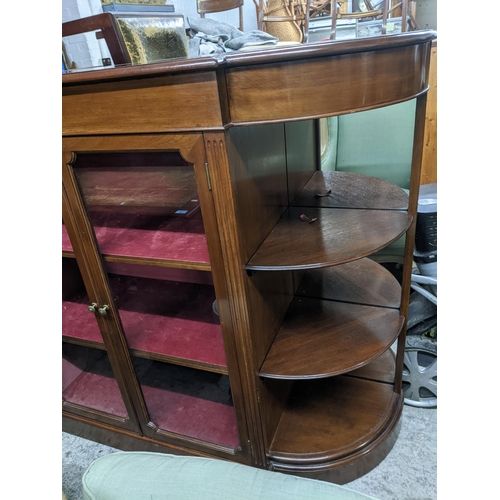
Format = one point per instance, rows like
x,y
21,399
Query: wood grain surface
x,y
336,236
360,282
330,418
322,338
242,120
167,103
350,190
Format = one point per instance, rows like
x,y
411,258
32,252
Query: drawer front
x,y
179,102
325,86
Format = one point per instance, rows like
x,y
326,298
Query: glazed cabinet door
x,y
89,384
142,214
93,380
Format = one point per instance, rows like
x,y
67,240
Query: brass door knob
x,y
92,308
103,310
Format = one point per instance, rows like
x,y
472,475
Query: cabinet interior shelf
x,y
323,337
162,320
88,381
328,419
177,242
336,218
350,190
143,205
336,236
188,402
180,400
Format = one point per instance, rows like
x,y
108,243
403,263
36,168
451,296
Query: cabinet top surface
x,y
264,86
247,58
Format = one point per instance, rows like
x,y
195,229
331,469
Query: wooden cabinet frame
x,y
248,124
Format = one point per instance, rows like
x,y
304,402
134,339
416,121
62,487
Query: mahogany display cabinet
x,y
219,298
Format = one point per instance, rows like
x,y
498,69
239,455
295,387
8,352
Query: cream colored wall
x,y
85,50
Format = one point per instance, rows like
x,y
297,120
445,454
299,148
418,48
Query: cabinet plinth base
x,y
338,471
128,441
353,466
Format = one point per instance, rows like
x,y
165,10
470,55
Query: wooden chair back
x,y
284,19
388,8
213,6
106,28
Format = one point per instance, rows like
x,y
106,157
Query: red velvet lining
x,y
169,318
88,380
66,243
77,321
166,238
96,392
191,416
163,317
188,402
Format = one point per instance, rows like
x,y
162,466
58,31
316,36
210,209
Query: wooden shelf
x,y
350,190
337,236
189,403
322,338
177,242
330,419
360,282
381,369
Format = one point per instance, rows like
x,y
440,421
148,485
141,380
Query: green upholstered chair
x,y
158,476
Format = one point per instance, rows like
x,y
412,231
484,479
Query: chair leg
x,y
384,17
306,20
241,18
334,8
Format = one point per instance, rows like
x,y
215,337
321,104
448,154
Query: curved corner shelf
x,y
333,421
381,369
362,281
347,216
337,236
322,338
350,190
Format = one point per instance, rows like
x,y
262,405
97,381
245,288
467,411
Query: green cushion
x,y
377,142
158,476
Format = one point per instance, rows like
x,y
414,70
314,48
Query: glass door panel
x,y
144,205
169,317
78,324
88,382
188,402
